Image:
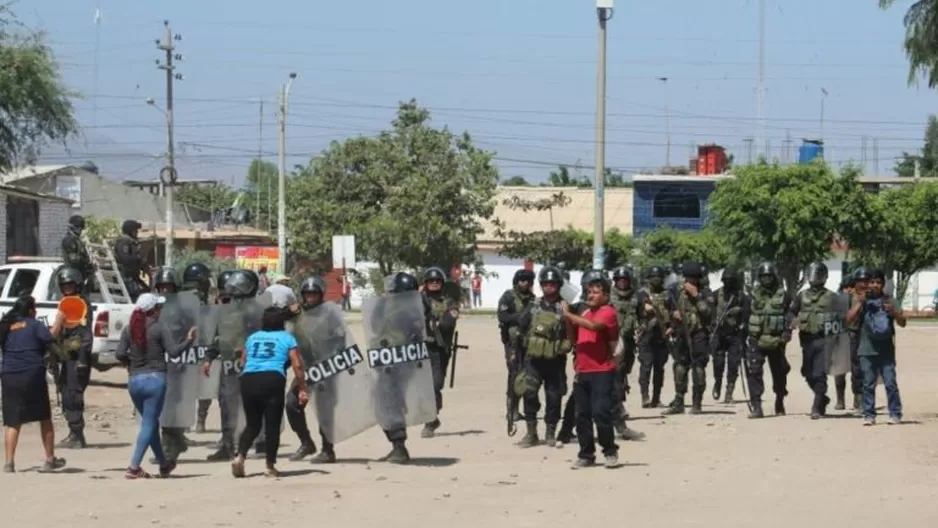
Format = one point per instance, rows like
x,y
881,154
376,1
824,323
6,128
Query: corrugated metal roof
x,y
29,171
579,213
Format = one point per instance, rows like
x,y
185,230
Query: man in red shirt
x,y
595,366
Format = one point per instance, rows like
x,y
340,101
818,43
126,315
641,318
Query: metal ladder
x,y
106,273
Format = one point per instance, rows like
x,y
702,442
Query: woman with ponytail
x,y
144,346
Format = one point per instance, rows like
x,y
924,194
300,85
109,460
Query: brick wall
x,y
53,224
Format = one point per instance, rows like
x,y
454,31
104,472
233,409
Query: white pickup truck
x,y
39,280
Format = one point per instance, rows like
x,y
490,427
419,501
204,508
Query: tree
x,y
563,178
101,229
921,39
516,181
34,103
787,215
899,230
668,246
928,161
413,196
208,199
262,185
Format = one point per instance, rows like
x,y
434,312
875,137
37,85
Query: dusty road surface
x,y
715,470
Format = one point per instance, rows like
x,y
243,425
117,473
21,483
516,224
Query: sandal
x,y
272,472
133,474
52,465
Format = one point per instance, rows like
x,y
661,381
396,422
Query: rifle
x,y
455,347
682,326
513,398
719,323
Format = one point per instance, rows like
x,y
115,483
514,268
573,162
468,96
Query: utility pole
x,y
257,170
168,175
281,205
667,122
823,99
747,143
786,150
604,10
760,90
863,153
876,156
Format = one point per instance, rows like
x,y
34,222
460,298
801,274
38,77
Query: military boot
x,y
73,441
550,436
656,398
779,405
728,396
429,429
756,411
398,454
326,456
530,438
225,453
646,401
675,407
307,447
696,405
717,386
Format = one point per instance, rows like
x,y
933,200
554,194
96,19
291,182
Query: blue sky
x,y
517,74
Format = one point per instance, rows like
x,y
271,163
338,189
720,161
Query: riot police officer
x,y
197,277
691,314
769,332
74,253
441,327
625,300
511,305
729,335
651,336
220,298
74,372
813,308
546,345
129,260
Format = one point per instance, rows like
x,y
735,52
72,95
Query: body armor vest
x,y
546,338
767,321
815,309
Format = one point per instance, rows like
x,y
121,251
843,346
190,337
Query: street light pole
x,y
168,174
281,205
604,14
667,122
823,100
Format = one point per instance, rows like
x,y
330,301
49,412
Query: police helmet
x,y
622,272
165,276
76,222
313,284
196,272
678,268
434,274
242,283
593,275
657,272
223,279
401,282
522,275
767,268
817,274
730,275
691,270
550,274
69,276
862,274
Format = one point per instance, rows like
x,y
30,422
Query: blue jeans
x,y
873,367
148,392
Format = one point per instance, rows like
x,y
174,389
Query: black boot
x,y
728,396
717,386
74,440
326,456
646,401
656,397
307,447
200,426
398,454
675,407
550,436
779,405
429,429
696,402
841,388
756,411
225,453
530,438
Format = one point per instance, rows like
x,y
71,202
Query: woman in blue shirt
x,y
25,393
266,356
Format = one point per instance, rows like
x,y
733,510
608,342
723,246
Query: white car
x,y
38,278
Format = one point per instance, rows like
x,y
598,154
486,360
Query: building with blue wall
x,y
679,202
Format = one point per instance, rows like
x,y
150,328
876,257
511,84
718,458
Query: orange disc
x,y
75,310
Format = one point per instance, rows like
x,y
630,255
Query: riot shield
x,y
181,312
205,340
836,337
341,383
235,322
395,334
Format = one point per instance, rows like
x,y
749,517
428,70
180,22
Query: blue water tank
x,y
809,150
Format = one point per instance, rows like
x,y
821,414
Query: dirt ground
x,y
717,469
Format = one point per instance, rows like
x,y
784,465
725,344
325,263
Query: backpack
x,y
878,323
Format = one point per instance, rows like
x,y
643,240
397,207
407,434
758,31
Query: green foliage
x,y
185,256
928,160
205,198
34,103
102,229
921,39
787,215
413,196
263,185
668,246
516,181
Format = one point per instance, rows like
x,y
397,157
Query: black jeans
x,y
594,393
262,394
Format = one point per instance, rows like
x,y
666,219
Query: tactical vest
x,y
546,338
517,303
438,307
660,301
767,321
626,305
732,316
815,309
689,311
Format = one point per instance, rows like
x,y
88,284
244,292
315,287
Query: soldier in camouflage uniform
x,y
511,305
812,308
769,332
652,336
442,313
691,312
625,302
129,260
74,253
729,338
